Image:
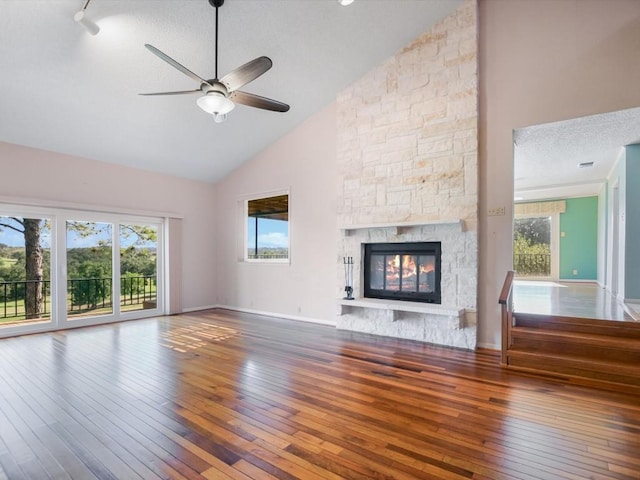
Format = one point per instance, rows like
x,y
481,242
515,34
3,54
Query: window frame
x,y
245,230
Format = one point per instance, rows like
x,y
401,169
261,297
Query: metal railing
x,y
527,264
83,295
267,256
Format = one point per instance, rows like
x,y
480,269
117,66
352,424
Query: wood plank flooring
x,y
222,395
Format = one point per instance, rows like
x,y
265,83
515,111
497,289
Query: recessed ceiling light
x,y
585,165
344,3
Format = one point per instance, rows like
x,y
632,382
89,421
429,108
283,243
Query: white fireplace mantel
x,y
401,226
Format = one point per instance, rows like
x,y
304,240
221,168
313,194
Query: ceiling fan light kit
x,y
215,103
81,18
218,93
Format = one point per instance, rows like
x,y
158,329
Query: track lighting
x,y
81,18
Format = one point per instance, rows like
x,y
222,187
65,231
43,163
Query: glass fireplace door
x,y
407,271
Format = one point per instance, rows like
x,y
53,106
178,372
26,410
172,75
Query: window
x,y
267,228
536,241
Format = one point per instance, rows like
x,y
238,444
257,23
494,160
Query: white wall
x,y
303,161
616,190
541,61
52,179
603,212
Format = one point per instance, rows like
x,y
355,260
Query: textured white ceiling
x,y
546,157
66,91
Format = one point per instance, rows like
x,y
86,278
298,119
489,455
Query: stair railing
x,y
506,300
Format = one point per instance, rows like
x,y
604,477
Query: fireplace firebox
x,y
403,271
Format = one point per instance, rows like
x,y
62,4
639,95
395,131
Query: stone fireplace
x,y
450,322
407,158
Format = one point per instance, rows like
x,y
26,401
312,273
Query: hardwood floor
x,y
221,395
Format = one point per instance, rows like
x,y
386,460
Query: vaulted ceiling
x,y
66,91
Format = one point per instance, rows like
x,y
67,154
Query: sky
x,y
271,233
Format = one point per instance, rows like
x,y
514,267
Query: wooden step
x,y
594,326
588,345
575,365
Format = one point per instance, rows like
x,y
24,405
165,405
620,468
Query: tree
x,y
536,229
95,289
31,228
532,246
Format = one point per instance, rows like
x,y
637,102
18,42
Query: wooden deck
x,y
224,395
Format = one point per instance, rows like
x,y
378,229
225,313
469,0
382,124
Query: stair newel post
x,y
506,300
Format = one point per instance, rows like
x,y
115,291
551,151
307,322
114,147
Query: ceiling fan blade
x,y
252,100
174,64
181,92
246,73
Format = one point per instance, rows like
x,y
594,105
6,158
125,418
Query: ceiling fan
x,y
220,94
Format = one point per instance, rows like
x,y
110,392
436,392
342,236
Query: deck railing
x,y
82,294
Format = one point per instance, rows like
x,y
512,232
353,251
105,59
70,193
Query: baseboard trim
x,y
277,315
198,309
578,280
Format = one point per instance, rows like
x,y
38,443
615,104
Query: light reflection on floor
x,y
196,336
584,300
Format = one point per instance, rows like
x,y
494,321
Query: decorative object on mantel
x,y
348,277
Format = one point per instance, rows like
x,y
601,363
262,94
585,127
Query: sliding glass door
x,y
138,266
89,269
65,268
25,269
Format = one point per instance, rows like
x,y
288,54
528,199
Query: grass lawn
x,y
7,262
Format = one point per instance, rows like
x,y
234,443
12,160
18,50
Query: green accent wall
x,y
632,227
579,245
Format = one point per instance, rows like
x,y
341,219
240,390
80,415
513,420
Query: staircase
x,y
598,352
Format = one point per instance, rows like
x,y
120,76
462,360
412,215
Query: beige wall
x,y
52,179
542,61
303,161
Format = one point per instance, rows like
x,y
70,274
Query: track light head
x,y
81,18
